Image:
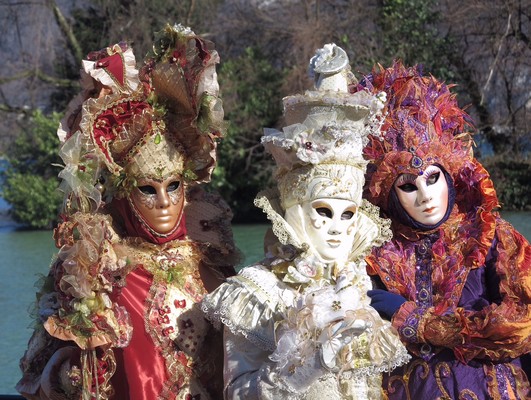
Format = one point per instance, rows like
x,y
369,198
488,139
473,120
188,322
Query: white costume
x,y
299,324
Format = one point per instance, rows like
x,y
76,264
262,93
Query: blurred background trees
x,y
483,47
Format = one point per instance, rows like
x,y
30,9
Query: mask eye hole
x,y
147,189
324,212
407,187
433,178
173,186
347,215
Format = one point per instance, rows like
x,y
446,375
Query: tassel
x,y
97,374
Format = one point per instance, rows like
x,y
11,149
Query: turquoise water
x,y
26,255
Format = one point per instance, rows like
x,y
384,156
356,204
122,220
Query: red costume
x,y
119,315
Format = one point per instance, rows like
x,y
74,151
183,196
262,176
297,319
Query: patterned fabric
x,y
180,356
252,305
299,324
118,315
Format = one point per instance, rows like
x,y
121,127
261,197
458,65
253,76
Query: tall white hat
x,y
319,152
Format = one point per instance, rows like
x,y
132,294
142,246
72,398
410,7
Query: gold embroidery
x,y
404,380
92,384
492,381
174,294
442,370
467,395
173,263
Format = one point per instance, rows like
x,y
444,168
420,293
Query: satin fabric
x,y
472,347
141,371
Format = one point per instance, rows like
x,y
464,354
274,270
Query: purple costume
x,y
464,284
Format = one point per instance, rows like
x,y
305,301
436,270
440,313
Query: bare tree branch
x,y
190,13
10,109
491,72
67,30
40,75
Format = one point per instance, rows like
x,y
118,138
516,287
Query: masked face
x,y
329,224
424,197
159,204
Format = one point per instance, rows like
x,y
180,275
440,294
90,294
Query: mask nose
x,y
163,199
334,229
424,196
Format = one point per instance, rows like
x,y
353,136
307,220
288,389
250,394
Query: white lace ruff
x,y
371,230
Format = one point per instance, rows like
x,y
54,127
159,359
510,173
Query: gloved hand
x,y
386,303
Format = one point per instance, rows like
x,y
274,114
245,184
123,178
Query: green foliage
x,y
512,181
409,32
34,199
89,25
252,101
35,148
30,180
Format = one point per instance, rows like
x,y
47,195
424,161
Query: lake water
x,y
25,255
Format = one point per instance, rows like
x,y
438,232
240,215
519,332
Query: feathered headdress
x,y
423,125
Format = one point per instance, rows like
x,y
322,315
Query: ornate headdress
x,y
423,125
319,153
128,124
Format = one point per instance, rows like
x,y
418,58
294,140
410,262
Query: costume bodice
x,y
463,311
171,354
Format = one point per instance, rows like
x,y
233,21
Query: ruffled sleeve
x,y
250,374
502,330
249,304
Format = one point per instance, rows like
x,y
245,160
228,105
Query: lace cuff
x,y
248,304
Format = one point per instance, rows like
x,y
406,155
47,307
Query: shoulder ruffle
x,y
249,304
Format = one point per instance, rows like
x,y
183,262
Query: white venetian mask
x,y
424,197
328,225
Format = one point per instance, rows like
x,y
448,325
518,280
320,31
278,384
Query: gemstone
x,y
416,162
